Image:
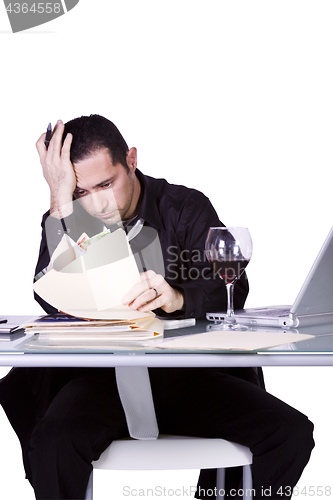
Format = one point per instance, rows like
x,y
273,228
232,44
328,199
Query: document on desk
x,y
231,341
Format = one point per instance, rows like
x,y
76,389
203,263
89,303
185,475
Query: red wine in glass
x,y
229,270
229,249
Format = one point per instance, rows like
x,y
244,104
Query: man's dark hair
x,y
91,133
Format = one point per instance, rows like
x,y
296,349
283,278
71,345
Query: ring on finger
x,y
156,292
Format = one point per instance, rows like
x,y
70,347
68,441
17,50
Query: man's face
x,y
106,191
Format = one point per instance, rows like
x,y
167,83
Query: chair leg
x,y
247,481
89,490
220,480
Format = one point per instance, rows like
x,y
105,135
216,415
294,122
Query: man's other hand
x,y
153,292
58,171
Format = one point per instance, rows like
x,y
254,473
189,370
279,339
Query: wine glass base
x,y
234,327
227,327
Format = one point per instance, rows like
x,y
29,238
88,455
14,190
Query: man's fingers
x,y
41,149
153,292
146,275
56,139
66,148
40,143
135,292
149,280
150,306
55,149
148,296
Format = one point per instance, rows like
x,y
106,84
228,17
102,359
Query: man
x,y
111,191
75,414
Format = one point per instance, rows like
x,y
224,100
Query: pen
x,y
48,135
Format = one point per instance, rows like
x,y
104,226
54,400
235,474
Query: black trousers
x,y
86,416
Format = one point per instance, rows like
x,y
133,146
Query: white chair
x,y
177,452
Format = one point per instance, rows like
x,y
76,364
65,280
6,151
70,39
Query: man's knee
x,y
299,437
302,435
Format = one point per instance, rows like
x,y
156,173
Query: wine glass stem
x,y
230,318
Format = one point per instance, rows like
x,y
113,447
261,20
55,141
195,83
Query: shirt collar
x,y
148,206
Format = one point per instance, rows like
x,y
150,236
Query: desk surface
x,y
27,351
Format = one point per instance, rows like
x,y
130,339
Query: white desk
x,y
314,352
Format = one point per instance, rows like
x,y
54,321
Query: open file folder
x,y
62,329
91,283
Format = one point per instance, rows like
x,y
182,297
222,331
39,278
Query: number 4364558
x,y
35,8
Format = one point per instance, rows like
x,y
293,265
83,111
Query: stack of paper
x,y
64,330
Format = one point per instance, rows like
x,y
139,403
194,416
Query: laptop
x,y
313,304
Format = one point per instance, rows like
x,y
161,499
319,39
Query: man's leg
x,y
210,403
82,420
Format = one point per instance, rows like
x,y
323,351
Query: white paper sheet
x,y
236,340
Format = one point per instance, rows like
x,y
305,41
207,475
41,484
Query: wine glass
x,y
229,249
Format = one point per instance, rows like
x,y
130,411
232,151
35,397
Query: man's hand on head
x,y
154,292
58,171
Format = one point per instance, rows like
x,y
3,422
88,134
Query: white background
x,y
232,98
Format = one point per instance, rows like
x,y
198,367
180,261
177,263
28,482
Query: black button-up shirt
x,y
181,217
